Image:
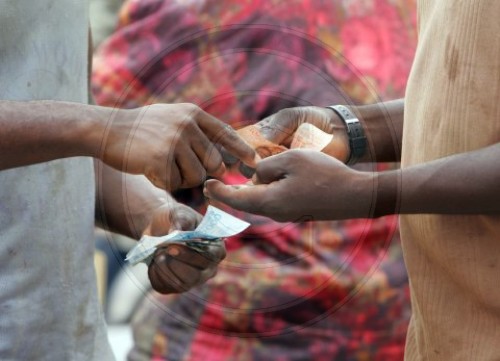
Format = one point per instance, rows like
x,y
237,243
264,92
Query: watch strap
x,y
355,133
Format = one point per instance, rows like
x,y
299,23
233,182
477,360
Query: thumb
x,y
280,127
241,197
219,191
175,226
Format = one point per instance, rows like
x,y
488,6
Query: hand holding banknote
x,y
181,260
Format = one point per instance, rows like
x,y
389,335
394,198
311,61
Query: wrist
x,y
356,139
383,127
95,130
388,193
75,127
126,203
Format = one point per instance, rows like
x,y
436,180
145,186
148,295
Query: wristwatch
x,y
355,132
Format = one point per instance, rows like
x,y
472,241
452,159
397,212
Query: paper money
x,y
308,136
214,226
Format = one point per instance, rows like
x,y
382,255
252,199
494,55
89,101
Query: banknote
x,y
215,225
307,136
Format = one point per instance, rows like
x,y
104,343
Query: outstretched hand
x,y
281,127
300,185
173,145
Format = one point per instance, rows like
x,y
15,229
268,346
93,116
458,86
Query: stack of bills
x,y
214,226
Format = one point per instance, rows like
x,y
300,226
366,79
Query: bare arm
x,y
465,183
382,124
305,184
174,145
40,131
131,205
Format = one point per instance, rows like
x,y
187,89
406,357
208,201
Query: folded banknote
x,y
214,226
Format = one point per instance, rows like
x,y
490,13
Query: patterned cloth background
x,y
316,291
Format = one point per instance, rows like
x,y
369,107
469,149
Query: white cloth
x,y
49,308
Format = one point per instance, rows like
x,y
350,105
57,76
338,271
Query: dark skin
x,y
300,184
173,145
131,205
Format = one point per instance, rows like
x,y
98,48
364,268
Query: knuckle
x,y
286,112
223,253
213,160
217,254
195,179
191,113
190,108
286,115
228,134
212,273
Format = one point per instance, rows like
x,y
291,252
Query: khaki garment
x,y
453,106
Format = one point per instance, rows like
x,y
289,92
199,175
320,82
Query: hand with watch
x,y
355,133
303,184
334,130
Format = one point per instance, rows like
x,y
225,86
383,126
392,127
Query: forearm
x,y
383,127
466,183
40,131
124,202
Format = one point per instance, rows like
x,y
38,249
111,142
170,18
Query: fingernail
x,y
240,186
173,251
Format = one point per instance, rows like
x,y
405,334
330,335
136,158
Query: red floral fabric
x,y
315,291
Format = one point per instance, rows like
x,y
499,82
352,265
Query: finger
x,y
192,171
162,224
280,127
242,197
208,274
186,218
196,259
227,157
188,275
170,180
162,279
159,181
271,169
209,155
174,179
223,134
178,268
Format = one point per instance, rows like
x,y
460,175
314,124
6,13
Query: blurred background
x,y
316,291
